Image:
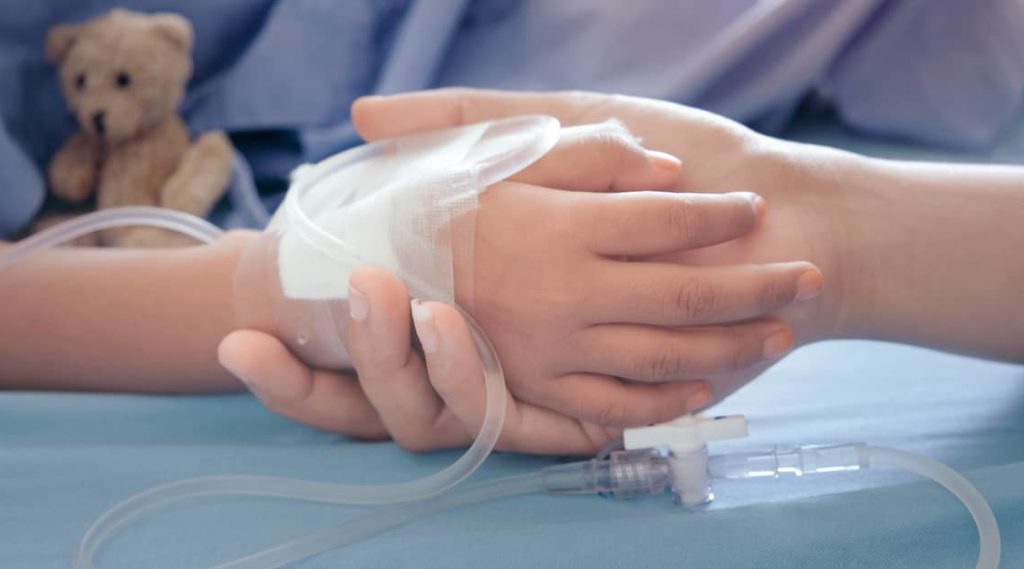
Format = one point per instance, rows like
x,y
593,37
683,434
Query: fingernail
x,y
809,285
759,204
248,382
358,304
245,381
756,201
423,320
698,398
664,160
777,345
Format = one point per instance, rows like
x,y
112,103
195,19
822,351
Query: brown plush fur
x,y
123,76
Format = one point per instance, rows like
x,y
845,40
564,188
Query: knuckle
x,y
740,356
596,438
617,127
610,412
694,300
684,220
463,109
773,293
616,145
663,365
529,386
467,102
461,95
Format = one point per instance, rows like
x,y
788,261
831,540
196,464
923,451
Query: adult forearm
x,y
106,319
933,256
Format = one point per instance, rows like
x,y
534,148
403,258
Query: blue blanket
x,y
65,458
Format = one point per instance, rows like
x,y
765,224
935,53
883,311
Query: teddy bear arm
x,y
202,175
74,170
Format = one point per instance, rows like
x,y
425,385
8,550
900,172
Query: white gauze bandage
x,y
405,204
393,205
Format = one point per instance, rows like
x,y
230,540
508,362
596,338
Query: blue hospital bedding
x,y
65,458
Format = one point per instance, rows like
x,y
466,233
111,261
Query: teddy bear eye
x,y
80,81
123,79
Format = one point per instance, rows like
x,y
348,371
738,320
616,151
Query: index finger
x,y
649,223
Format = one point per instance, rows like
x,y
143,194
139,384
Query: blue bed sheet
x,y
65,458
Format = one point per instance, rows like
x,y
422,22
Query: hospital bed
x,y
65,458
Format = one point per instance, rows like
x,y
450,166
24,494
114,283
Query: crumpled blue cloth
x,y
279,75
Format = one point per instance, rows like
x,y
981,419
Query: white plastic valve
x,y
686,439
687,433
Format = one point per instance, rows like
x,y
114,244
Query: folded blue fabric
x,y
280,75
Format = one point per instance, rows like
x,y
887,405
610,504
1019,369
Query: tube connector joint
x,y
684,441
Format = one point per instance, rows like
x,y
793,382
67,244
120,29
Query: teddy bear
x,y
123,76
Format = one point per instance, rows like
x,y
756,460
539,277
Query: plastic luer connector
x,y
625,474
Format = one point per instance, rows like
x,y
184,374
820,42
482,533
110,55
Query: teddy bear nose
x,y
99,120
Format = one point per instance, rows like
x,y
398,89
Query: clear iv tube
x,y
988,530
325,492
174,220
204,231
578,478
387,518
635,474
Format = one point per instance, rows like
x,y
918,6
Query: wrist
x,y
924,254
849,235
208,311
826,204
313,328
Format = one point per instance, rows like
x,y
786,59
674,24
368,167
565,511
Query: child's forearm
x,y
934,256
115,319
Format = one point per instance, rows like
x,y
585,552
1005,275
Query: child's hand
x,y
585,325
567,310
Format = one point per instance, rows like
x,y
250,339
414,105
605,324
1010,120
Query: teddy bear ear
x,y
173,28
59,41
